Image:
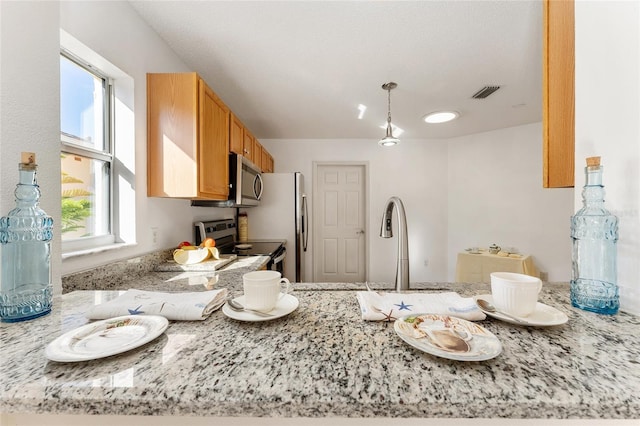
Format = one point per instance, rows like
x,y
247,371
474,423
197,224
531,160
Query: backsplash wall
x,y
608,123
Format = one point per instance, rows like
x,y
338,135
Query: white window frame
x,y
69,146
123,168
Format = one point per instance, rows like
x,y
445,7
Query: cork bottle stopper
x,y
28,158
27,161
593,161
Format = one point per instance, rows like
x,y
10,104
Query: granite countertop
x,y
323,360
123,276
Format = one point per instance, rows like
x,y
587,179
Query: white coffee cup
x,y
263,289
515,294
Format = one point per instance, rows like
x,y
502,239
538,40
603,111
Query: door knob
x,y
360,231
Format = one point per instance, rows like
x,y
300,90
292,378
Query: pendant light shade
x,y
389,139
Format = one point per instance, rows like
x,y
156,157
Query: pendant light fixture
x,y
389,139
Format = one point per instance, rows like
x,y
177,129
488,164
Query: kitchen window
x,y
86,155
97,152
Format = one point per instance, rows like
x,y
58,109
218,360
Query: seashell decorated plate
x,y
448,337
105,338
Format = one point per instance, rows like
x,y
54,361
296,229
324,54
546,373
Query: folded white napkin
x,y
379,306
174,306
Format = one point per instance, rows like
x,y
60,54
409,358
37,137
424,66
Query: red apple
x,y
184,243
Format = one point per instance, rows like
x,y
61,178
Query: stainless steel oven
x,y
277,260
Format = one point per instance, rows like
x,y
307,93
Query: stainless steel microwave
x,y
245,185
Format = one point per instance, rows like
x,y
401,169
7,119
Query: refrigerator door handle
x,y
305,212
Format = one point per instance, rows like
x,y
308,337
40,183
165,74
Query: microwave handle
x,y
257,182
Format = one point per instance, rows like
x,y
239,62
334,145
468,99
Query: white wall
x,y
30,112
473,190
30,105
136,49
29,120
608,122
496,196
415,171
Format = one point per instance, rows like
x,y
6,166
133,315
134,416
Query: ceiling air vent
x,y
485,91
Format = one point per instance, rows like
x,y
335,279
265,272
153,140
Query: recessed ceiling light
x,y
441,117
361,109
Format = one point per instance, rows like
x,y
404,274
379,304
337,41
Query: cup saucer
x,y
543,316
285,306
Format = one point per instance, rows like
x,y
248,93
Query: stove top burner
x,y
252,248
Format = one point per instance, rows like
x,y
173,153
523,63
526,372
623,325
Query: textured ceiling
x,y
299,69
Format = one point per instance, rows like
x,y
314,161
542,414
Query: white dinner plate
x,y
543,316
285,306
448,337
105,338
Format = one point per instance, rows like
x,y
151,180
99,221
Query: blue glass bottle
x,y
25,251
594,233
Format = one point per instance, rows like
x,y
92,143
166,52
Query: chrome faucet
x,y
402,271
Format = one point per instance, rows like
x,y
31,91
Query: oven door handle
x,y
201,232
280,257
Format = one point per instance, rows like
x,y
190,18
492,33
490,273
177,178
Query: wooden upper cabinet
x,y
248,146
242,142
236,135
187,138
558,82
267,162
213,164
257,154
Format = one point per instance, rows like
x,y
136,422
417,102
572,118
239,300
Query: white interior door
x,y
339,223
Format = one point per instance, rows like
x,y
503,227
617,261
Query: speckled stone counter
x,y
323,360
138,273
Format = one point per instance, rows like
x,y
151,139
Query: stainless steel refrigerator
x,y
283,214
